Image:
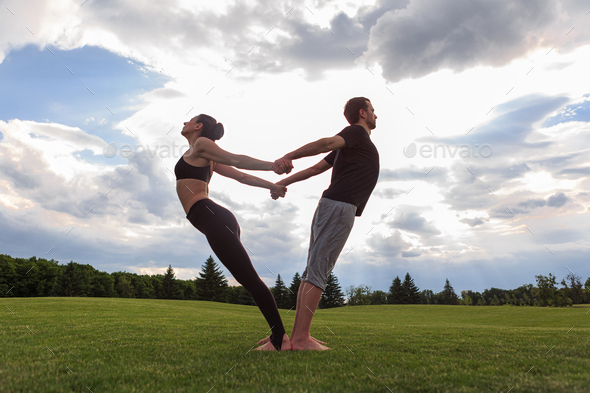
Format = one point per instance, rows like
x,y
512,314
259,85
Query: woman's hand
x,y
277,191
281,166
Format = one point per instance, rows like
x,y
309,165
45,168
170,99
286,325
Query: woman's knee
x,y
251,282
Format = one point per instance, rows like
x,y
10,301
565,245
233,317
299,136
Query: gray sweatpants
x,y
330,227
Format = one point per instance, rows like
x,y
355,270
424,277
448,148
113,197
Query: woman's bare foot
x,y
285,346
308,343
267,339
263,341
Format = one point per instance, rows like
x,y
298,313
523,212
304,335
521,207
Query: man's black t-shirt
x,y
355,168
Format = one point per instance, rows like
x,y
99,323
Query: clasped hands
x,y
280,166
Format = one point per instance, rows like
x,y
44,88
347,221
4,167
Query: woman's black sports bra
x,y
184,170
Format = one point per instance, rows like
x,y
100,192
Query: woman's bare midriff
x,y
190,191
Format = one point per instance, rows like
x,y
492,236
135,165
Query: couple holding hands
x,y
355,169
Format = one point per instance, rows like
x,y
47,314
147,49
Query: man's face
x,y
371,117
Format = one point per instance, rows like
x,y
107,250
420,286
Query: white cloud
x,y
39,22
425,37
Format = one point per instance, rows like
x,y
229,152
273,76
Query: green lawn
x,y
135,345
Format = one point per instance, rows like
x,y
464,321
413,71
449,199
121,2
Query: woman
x,y
193,172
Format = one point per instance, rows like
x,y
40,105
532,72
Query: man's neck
x,y
364,125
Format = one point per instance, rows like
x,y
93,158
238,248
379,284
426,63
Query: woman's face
x,y
189,125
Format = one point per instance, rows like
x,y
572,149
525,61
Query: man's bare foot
x,y
309,343
267,339
285,346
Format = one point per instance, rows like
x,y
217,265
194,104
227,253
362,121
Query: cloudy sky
x,y
483,132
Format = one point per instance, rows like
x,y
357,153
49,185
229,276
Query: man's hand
x,y
282,165
278,191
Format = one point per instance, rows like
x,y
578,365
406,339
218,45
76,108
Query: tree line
x,y
546,293
23,277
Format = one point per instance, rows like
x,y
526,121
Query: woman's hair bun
x,y
211,128
218,131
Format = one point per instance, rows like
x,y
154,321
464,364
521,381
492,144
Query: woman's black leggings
x,y
223,233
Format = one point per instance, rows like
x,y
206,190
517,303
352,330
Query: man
x,y
356,169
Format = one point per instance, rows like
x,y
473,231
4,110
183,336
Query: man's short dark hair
x,y
352,108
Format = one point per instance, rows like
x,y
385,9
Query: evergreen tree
x,y
411,291
170,287
332,295
396,293
280,293
448,294
293,290
211,285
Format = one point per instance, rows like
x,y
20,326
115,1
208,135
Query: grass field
x,y
134,345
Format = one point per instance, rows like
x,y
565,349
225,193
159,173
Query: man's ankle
x,y
299,337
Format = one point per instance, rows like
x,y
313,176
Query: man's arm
x,y
315,170
323,145
318,168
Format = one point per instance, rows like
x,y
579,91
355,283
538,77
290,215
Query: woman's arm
x,y
208,149
244,178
